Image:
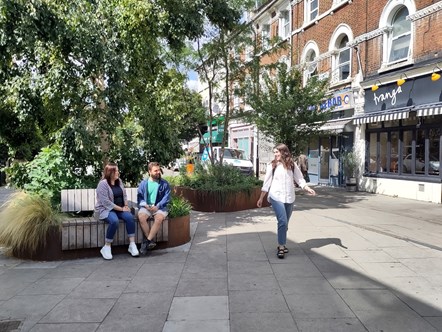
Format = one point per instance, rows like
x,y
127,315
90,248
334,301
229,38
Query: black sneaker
x,y
143,247
150,244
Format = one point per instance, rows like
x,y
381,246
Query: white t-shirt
x,y
281,185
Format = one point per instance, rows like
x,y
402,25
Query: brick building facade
x,y
394,46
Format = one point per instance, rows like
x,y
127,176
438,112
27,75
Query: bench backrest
x,y
75,200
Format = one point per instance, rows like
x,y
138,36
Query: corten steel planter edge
x,y
211,201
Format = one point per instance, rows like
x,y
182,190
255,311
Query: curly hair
x,y
286,157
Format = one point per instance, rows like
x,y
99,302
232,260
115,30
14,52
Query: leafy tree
x,y
284,109
216,65
77,72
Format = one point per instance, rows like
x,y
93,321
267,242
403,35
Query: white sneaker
x,y
106,252
133,250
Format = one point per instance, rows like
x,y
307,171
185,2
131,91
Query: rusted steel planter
x,y
51,249
215,201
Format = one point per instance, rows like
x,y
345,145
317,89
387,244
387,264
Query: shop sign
x,y
418,91
341,100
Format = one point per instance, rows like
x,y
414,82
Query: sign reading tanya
x,y
418,91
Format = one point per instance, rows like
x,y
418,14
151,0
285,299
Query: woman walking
x,y
279,183
112,206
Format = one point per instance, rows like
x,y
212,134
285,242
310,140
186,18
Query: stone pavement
x,y
357,262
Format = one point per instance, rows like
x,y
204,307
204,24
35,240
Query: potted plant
x,y
179,216
179,207
350,165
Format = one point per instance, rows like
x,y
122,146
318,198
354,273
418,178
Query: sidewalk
x,y
357,262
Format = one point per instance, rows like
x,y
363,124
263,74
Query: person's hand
x,y
310,191
126,208
154,209
259,203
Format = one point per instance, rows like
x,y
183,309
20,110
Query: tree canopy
x,y
99,77
283,108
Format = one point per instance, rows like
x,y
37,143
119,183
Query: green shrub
x,y
179,207
350,163
216,178
25,220
47,174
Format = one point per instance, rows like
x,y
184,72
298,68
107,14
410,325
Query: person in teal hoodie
x,y
153,197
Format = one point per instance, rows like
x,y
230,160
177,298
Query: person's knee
x,y
142,218
159,219
113,221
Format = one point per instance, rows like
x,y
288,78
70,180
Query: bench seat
x,y
88,232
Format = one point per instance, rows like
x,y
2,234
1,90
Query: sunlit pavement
x,y
357,262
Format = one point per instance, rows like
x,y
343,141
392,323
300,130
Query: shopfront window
x,y
404,151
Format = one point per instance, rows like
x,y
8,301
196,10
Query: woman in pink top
x,y
279,183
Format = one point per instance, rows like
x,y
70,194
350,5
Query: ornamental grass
x,y
25,220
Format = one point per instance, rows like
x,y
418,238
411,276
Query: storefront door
x,y
324,172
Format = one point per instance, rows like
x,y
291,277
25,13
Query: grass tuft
x,y
25,220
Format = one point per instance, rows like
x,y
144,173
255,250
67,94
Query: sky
x,y
192,80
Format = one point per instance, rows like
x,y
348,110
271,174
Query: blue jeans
x,y
283,212
113,219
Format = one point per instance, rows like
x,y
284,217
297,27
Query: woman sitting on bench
x,y
112,206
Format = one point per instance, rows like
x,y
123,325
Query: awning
x,y
217,137
384,116
427,110
336,126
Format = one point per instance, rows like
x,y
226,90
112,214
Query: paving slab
x,y
330,325
77,327
257,301
72,310
199,308
106,289
318,306
262,322
202,287
197,326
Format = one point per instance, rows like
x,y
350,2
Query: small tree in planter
x,y
179,215
179,207
350,164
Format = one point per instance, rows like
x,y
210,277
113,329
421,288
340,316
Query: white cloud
x,y
193,84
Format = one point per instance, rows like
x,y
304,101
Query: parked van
x,y
234,157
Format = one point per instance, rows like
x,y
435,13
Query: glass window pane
x,y
383,139
313,9
372,153
344,56
400,23
406,151
394,155
400,36
399,48
420,152
344,72
434,135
